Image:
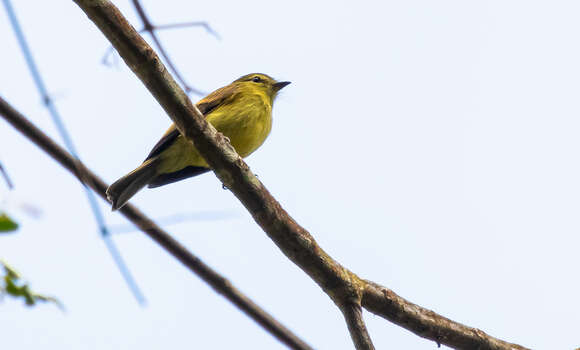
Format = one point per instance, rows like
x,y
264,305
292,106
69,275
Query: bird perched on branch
x,y
242,111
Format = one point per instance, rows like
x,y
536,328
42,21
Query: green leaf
x,y
7,224
10,284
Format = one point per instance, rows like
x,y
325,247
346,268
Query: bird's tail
x,y
123,189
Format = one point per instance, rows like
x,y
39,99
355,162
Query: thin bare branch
x,y
188,88
150,28
219,283
205,25
293,240
6,177
177,219
356,326
113,62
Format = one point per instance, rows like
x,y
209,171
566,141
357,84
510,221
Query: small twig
x,y
110,53
175,219
149,28
205,25
188,88
356,326
6,177
219,283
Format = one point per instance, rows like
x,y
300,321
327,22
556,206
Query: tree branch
x,y
6,177
356,326
205,25
426,323
219,283
150,28
293,240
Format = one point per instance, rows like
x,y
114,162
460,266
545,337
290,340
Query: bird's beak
x,y
279,85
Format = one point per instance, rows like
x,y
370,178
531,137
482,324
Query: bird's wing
x,y
205,106
166,140
167,178
217,98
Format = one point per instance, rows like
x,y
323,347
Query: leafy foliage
x,y
7,224
12,285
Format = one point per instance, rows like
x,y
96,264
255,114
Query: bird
x,y
241,111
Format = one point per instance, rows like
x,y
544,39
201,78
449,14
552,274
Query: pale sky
x,y
430,146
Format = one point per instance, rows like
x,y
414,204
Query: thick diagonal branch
x,y
293,240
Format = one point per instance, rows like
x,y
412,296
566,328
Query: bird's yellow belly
x,y
249,135
245,132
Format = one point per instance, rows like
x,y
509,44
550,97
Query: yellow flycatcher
x,y
242,111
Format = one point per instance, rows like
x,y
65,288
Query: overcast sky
x,y
430,146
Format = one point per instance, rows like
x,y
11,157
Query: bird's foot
x,y
225,137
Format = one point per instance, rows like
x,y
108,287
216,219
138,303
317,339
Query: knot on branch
x,y
349,291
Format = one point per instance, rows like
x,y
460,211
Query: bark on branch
x,y
343,286
356,326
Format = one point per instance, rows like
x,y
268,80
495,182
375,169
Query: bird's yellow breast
x,y
246,122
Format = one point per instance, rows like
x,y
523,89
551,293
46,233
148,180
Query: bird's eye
x,y
256,79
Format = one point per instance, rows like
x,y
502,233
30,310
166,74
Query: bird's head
x,y
262,82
